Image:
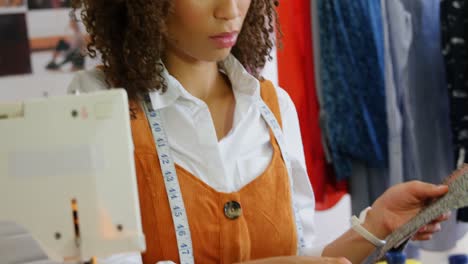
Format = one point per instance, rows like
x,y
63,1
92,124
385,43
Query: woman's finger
x,y
425,191
430,228
442,218
426,232
422,237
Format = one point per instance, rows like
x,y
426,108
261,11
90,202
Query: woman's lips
x,y
225,40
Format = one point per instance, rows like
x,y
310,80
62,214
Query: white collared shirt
x,y
243,154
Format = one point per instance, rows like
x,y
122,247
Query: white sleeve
x,y
303,193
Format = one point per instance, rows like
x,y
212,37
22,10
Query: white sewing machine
x,y
67,174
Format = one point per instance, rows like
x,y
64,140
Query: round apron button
x,y
232,210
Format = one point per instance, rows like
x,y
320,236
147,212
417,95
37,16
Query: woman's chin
x,y
219,54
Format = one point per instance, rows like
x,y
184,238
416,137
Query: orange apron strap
x,y
269,96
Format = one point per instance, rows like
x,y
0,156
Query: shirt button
x,y
232,210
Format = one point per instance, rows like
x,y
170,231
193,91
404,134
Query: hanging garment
x,y
427,153
353,83
296,76
366,185
318,78
454,18
418,118
398,35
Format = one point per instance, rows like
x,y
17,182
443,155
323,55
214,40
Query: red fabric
x,y
296,76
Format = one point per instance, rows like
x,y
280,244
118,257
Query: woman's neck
x,y
204,81
200,78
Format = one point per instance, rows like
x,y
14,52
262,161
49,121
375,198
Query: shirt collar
x,y
243,84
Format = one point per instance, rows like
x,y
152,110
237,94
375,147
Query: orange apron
x,y
266,227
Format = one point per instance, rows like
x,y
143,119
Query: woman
x,y
195,65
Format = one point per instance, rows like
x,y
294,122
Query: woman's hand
x,y
391,210
300,260
401,203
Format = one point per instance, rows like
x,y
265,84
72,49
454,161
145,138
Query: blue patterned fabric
x,y
352,70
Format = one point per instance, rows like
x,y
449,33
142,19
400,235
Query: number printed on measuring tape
x,y
174,194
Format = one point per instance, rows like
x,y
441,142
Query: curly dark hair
x,y
119,29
